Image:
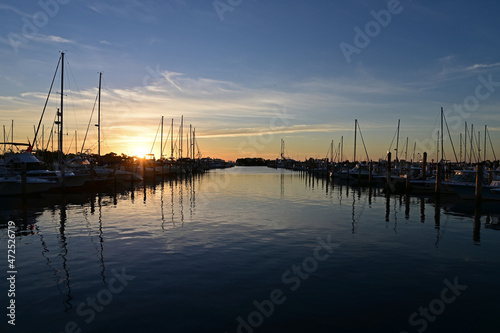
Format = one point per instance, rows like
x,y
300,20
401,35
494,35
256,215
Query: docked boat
x,y
15,162
361,173
13,185
467,189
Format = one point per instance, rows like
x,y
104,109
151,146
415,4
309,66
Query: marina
x,y
249,166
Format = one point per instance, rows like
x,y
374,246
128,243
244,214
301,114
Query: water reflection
x,y
173,202
476,236
405,203
77,238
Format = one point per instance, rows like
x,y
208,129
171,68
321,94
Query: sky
x,y
248,73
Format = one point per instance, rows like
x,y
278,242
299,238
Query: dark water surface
x,y
251,250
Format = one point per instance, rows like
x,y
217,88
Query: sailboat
x,y
99,175
34,167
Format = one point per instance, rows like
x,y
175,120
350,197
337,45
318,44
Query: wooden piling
x,y
370,172
424,166
388,171
144,170
437,188
479,181
408,168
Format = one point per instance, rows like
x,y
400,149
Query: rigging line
x,y
72,101
405,148
472,148
154,141
362,140
79,92
70,144
166,140
51,137
479,147
393,140
466,143
198,148
90,121
491,144
449,135
48,140
47,100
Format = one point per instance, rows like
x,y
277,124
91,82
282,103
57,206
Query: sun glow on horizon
x,y
139,152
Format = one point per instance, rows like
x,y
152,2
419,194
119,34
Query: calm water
x,y
251,250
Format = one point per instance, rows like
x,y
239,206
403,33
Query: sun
x,y
139,152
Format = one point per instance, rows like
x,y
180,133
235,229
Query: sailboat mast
x,y
12,136
341,148
339,159
331,152
471,142
397,141
182,126
355,134
437,149
478,146
99,120
465,145
161,139
442,137
172,140
194,141
414,148
281,149
484,153
61,110
460,147
190,140
406,150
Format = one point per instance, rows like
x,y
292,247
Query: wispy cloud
x,y
50,39
482,66
4,6
129,9
451,68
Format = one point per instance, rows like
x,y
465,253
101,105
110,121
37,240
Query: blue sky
x,y
247,73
